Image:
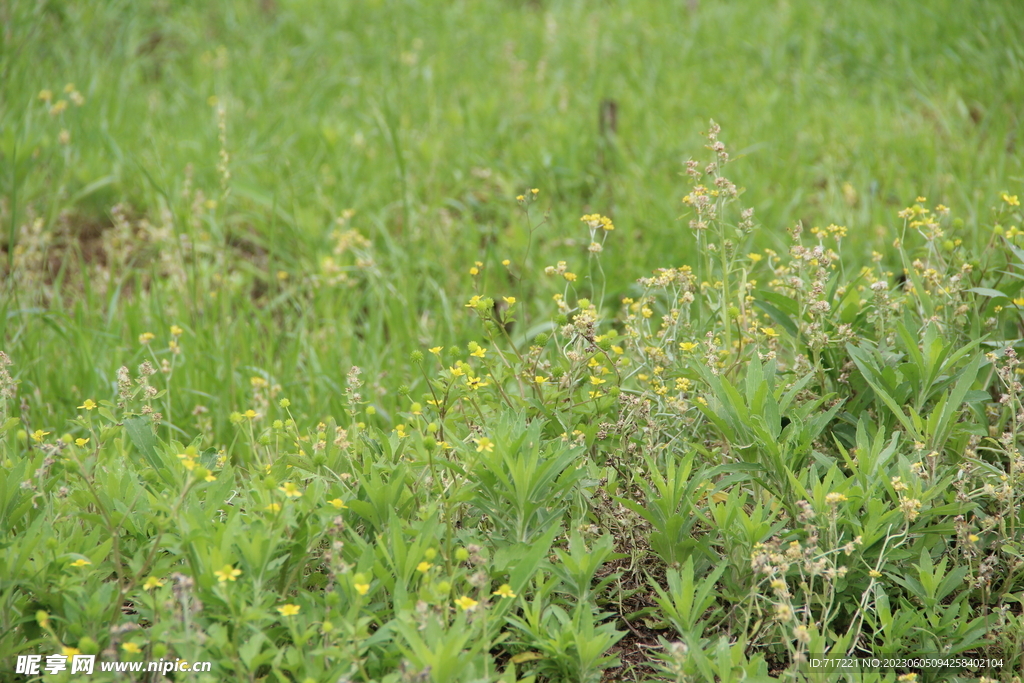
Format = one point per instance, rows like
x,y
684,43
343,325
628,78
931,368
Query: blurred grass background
x,y
427,119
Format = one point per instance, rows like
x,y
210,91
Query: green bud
x,y
583,303
370,410
416,357
159,650
561,319
461,555
429,554
541,339
429,442
332,599
948,245
67,438
432,427
264,439
51,543
88,646
454,351
444,587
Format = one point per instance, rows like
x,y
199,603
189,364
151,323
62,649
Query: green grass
x,y
416,126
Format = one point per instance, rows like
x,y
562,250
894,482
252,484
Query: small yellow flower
x,y
131,648
1010,199
290,489
210,477
506,263
571,277
151,583
80,563
39,435
973,538
875,574
362,588
81,442
480,352
483,444
436,350
686,347
45,95
534,191
456,371
475,383
769,332
596,380
835,498
251,414
338,503
466,603
176,331
146,337
505,591
70,651
273,507
423,567
89,404
509,299
227,573
540,379
1019,301
288,610
474,271
520,198
754,257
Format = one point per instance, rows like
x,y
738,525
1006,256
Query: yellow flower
x,y
146,337
288,610
479,352
80,563
423,566
456,371
131,648
466,603
210,477
835,498
754,257
273,507
596,380
1019,301
70,651
89,404
973,538
769,332
571,277
151,583
290,489
474,271
251,414
227,573
45,95
875,574
483,444
506,263
534,191
475,383
505,591
1010,199
436,350
338,503
509,299
520,198
687,346
176,331
362,588
39,435
81,442
540,379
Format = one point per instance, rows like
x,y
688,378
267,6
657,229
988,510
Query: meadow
x,y
512,340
